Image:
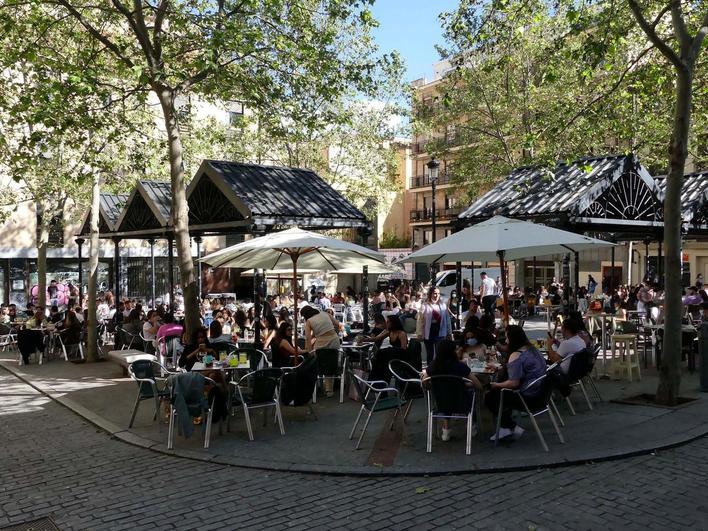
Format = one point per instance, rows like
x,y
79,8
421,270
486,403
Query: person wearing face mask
x,y
433,323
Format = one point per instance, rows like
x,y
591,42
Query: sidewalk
x,y
99,393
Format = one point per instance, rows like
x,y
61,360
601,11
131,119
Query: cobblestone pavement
x,y
56,465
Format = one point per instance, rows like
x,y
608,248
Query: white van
x,y
446,281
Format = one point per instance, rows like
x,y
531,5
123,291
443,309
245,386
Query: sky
x,y
411,27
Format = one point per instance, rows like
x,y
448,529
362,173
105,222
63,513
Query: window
x,y
448,232
427,237
236,114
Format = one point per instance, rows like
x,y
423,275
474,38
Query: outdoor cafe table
x,y
685,328
360,348
591,320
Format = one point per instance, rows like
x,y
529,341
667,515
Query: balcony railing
x,y
441,214
422,181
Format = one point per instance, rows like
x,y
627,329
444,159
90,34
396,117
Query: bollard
x,y
703,353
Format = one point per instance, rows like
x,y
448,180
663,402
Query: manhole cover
x,y
43,524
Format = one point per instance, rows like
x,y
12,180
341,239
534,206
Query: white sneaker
x,y
503,433
446,434
518,432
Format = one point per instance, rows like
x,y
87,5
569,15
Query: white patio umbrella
x,y
502,239
297,248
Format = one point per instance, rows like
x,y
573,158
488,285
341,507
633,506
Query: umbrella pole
x,y
295,297
505,295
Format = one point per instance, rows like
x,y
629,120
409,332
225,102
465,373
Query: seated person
x,y
525,365
37,320
270,331
379,327
55,316
195,351
150,329
572,343
447,363
282,348
394,332
71,329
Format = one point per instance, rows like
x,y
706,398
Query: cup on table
x,y
208,360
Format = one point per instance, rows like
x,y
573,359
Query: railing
x,y
440,214
422,181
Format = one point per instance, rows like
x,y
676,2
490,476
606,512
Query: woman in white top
x,y
320,333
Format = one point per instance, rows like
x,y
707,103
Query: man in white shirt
x,y
558,351
488,293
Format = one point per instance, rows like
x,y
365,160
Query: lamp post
x,y
80,243
433,167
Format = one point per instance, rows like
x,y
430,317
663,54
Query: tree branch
x,y
700,36
97,34
666,50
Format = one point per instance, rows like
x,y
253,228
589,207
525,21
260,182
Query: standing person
x,y
488,293
433,323
699,281
320,333
592,285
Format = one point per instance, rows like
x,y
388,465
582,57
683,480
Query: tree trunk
x,y
92,339
180,219
42,242
670,369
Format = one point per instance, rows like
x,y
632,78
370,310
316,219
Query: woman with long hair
x,y
281,346
524,366
447,363
433,323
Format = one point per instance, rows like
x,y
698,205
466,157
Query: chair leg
x,y
585,394
429,447
595,389
555,426
279,414
570,405
314,391
363,430
342,379
135,410
499,412
408,410
248,422
171,429
555,409
207,429
356,422
470,421
535,424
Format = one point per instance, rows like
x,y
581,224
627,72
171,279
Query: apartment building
x,y
432,188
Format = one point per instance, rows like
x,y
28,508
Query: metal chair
x,y
449,397
408,383
264,393
142,372
373,402
127,337
328,366
72,349
545,393
197,405
298,383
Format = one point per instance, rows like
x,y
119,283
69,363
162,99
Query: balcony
x,y
422,181
441,214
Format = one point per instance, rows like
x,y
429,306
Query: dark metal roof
x,y
694,193
159,193
111,207
272,195
570,189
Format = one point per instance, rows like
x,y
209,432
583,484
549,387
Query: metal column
x,y
171,272
198,241
152,271
80,244
116,268
365,303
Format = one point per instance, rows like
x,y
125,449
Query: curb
x,y
126,436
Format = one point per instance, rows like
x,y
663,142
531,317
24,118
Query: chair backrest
x,y
257,360
298,384
142,370
542,387
191,386
265,383
328,361
407,378
579,363
450,394
415,354
5,330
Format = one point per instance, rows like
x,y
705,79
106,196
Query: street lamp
x,y
433,167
